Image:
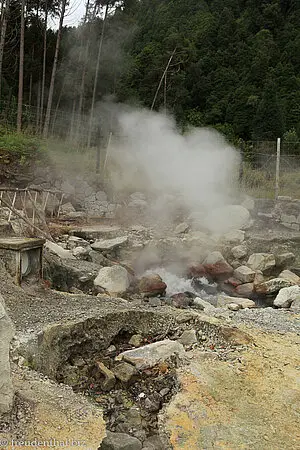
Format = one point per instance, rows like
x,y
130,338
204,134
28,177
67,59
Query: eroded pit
x,y
88,355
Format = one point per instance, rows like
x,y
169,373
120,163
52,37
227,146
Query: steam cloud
x,y
198,168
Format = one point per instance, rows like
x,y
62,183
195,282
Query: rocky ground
x,y
168,337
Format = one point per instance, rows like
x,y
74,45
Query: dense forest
x,y
231,64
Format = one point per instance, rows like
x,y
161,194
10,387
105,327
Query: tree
x,y
21,68
54,69
3,26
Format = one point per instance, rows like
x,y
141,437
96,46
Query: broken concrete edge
x,y
50,348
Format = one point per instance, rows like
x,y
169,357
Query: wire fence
x,y
259,158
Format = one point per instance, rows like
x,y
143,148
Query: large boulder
x,y
240,251
287,296
151,285
109,244
234,236
120,441
285,259
244,274
6,335
150,355
290,276
224,300
227,218
114,280
262,261
59,251
272,286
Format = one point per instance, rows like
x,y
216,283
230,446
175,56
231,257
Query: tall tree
x,y
21,68
54,69
3,26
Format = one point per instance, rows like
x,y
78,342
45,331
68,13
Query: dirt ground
x,y
251,402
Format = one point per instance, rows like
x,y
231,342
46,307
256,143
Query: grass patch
x,y
18,147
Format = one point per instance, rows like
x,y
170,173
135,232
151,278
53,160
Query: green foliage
x,y
18,147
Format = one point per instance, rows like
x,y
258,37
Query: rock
x,y
153,443
188,338
6,335
219,271
124,371
233,282
290,276
151,285
114,280
259,278
234,236
136,340
81,252
242,302
74,241
109,244
240,251
202,304
58,250
120,441
227,218
182,228
109,379
262,261
272,286
196,270
244,274
287,296
181,300
150,355
213,258
233,306
245,290
66,209
285,259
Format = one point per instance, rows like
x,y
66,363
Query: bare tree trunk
x,y
57,106
37,123
96,77
82,83
54,68
3,26
44,68
162,78
21,68
30,80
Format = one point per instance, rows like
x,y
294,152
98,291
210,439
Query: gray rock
x,y
120,441
243,303
188,338
287,296
109,244
124,371
290,276
6,335
58,250
272,286
213,258
113,279
244,274
182,228
149,355
234,236
136,340
109,378
240,251
202,304
233,306
261,261
285,259
81,252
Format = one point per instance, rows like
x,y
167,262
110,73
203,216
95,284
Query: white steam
x,y
199,168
